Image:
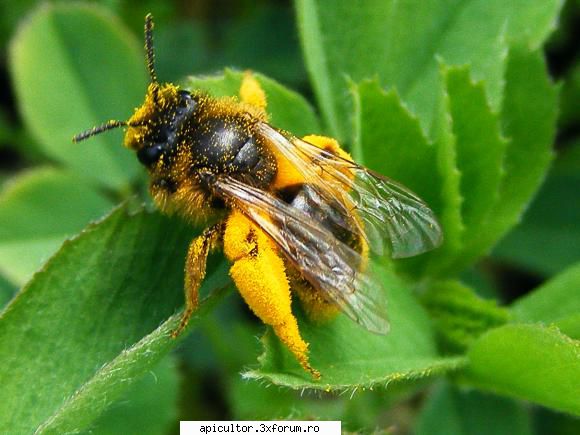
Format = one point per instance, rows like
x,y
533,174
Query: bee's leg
x,y
195,267
252,93
260,277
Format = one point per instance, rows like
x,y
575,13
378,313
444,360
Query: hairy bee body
x,y
198,138
293,216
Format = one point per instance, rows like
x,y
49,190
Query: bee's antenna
x,y
109,125
149,52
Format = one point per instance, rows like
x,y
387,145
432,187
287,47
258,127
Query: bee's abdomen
x,y
223,146
329,214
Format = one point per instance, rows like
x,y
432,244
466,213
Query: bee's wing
x,y
390,213
329,265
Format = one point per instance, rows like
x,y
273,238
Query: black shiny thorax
x,y
229,146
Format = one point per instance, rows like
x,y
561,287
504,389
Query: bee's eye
x,y
150,155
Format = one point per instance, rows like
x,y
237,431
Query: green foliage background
x,y
472,104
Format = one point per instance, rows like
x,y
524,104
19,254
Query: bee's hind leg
x,y
195,268
260,276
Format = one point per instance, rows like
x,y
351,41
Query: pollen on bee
x,y
251,92
260,276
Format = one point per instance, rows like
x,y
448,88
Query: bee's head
x,y
153,128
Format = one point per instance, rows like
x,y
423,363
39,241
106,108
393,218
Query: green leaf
x,y
38,210
480,281
92,70
111,381
191,38
570,115
70,328
556,423
479,146
452,411
288,110
358,412
250,400
149,407
249,42
450,211
548,239
557,301
498,178
11,13
479,154
461,316
530,362
529,119
373,38
7,130
350,357
7,291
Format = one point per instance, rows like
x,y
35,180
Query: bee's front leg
x,y
195,268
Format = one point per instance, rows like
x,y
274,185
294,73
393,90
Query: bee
x,y
294,216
